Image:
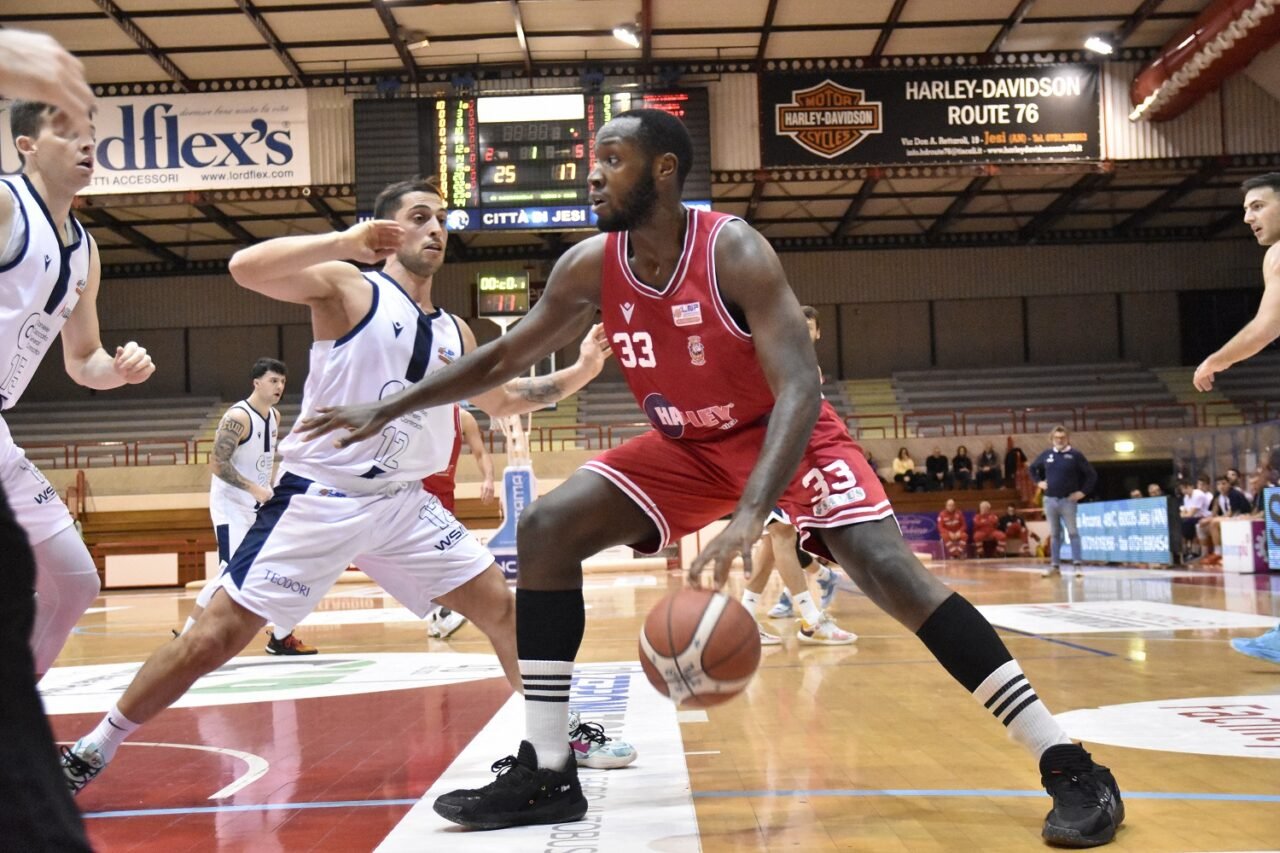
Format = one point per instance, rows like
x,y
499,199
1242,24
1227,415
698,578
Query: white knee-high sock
x,y
546,709
1008,695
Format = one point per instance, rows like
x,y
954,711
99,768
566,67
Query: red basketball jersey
x,y
691,367
442,483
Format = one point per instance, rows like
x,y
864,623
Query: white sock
x,y
280,633
809,611
110,733
1008,695
187,627
546,709
750,600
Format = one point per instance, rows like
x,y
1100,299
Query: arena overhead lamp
x,y
1100,45
413,39
628,34
1124,446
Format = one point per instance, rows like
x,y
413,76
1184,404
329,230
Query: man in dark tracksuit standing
x,y
1065,477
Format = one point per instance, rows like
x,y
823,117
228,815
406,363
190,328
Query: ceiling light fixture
x,y
628,34
1099,45
413,39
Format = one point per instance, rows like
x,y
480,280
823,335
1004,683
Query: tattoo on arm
x,y
537,389
225,443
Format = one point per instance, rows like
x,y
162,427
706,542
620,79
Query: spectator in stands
x,y
937,471
1014,526
1195,506
988,538
1135,493
1258,482
1233,477
1066,477
962,468
988,475
904,471
875,466
954,531
1154,490
1014,459
1229,502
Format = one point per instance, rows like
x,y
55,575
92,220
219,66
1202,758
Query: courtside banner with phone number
x,y
212,141
1135,530
970,114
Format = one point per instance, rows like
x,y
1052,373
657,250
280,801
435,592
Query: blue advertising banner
x,y
1271,502
921,528
1126,531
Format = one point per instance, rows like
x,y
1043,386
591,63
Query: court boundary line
x,y
704,795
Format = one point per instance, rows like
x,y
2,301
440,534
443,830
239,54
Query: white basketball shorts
x,y
36,503
304,538
232,519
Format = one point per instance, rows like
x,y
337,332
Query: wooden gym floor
x,y
870,747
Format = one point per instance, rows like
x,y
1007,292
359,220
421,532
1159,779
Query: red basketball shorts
x,y
685,485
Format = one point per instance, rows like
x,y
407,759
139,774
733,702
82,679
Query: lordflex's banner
x,y
211,141
1128,531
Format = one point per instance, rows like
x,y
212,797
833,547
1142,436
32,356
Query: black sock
x,y
549,625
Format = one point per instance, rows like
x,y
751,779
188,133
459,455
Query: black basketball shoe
x,y
1087,808
523,794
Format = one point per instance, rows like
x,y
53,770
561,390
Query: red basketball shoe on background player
x,y
714,346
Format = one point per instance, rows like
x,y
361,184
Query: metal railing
x,y
924,423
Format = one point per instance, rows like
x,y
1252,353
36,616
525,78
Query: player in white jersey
x,y
35,811
375,333
243,456
49,273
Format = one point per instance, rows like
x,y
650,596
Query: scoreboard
x,y
521,161
502,294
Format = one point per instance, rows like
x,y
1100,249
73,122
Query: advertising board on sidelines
x,y
1271,513
1134,530
211,141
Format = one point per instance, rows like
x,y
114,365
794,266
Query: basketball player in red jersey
x,y
714,346
443,483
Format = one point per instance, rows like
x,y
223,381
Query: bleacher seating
x,y
986,397
164,426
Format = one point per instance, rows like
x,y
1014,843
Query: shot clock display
x,y
502,294
521,161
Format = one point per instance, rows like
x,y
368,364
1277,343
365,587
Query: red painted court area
x,y
333,754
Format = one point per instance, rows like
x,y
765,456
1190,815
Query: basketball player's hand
x,y
486,491
1203,379
132,364
261,494
362,419
373,241
35,67
595,349
732,542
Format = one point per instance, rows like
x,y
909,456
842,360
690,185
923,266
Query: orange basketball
x,y
699,647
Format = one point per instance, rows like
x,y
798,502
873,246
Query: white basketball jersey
x,y
394,346
39,288
253,457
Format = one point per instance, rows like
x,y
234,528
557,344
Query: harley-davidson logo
x,y
829,119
